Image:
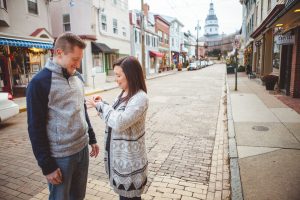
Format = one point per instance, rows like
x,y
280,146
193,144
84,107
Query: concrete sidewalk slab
x,y
247,151
277,135
273,175
286,115
249,108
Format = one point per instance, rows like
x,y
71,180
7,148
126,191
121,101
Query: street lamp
x,y
198,28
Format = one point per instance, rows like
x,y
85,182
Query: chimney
x,y
146,10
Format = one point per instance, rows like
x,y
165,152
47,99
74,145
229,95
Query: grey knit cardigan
x,y
125,153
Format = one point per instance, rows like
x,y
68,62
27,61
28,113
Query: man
x,y
58,123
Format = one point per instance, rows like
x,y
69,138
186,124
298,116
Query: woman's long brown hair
x,y
134,74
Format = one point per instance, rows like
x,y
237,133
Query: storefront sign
x,y
285,39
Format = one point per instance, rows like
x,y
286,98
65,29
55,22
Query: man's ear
x,y
58,52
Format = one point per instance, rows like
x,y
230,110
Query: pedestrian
x,y
58,124
125,152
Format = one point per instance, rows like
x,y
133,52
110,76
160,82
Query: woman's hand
x,y
92,101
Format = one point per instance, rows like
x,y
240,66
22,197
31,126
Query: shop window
x,y
66,22
32,6
103,22
115,26
97,63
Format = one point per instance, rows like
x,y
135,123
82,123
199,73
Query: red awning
x,y
156,54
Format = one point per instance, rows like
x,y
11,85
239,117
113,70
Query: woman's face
x,y
120,78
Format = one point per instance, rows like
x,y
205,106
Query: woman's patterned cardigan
x,y
125,153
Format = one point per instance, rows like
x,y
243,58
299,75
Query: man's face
x,y
70,60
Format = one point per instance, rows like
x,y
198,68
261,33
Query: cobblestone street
x,y
186,140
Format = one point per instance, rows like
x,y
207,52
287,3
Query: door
x,y
285,68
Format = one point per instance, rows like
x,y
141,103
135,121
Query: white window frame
x,y
3,5
37,7
66,23
103,22
115,26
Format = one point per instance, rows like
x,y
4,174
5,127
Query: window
x,y
269,5
172,42
135,36
124,31
103,22
115,26
32,6
66,22
97,63
166,39
147,40
3,4
160,36
261,11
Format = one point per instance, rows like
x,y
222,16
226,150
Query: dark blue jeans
x,y
134,198
74,171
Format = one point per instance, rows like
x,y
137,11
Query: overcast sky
x,y
229,12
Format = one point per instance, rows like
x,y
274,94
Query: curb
x,y
24,108
236,185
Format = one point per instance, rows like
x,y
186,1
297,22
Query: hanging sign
x,y
287,38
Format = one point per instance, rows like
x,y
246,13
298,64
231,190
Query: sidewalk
x,y
264,142
90,90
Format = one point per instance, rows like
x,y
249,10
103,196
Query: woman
x,y
125,152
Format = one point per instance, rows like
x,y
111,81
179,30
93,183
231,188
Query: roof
x,y
211,17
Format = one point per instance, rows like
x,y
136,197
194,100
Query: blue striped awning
x,y
25,43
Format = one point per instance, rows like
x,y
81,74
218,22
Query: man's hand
x,y
55,178
95,150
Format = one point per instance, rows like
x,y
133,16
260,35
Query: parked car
x,y
192,66
8,108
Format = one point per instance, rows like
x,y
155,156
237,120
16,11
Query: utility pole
x,y
197,28
143,38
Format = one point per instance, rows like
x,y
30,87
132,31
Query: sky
x,y
188,12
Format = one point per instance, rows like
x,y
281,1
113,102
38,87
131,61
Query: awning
x,y
25,43
156,54
100,47
271,16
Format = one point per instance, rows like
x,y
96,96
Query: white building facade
x,y
105,29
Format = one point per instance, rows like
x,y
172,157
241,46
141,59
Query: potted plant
x,y
270,80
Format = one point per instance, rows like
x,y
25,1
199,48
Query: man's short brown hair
x,y
67,41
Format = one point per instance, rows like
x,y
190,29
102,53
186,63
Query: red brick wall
x,y
295,70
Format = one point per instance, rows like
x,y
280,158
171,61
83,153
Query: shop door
x,y
285,68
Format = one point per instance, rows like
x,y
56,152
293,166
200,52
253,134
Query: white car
x,y
8,108
192,66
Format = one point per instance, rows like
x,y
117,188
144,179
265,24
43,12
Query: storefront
x,y
20,60
175,58
286,51
248,57
155,60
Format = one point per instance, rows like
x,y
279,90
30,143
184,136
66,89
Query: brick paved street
x,y
186,141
